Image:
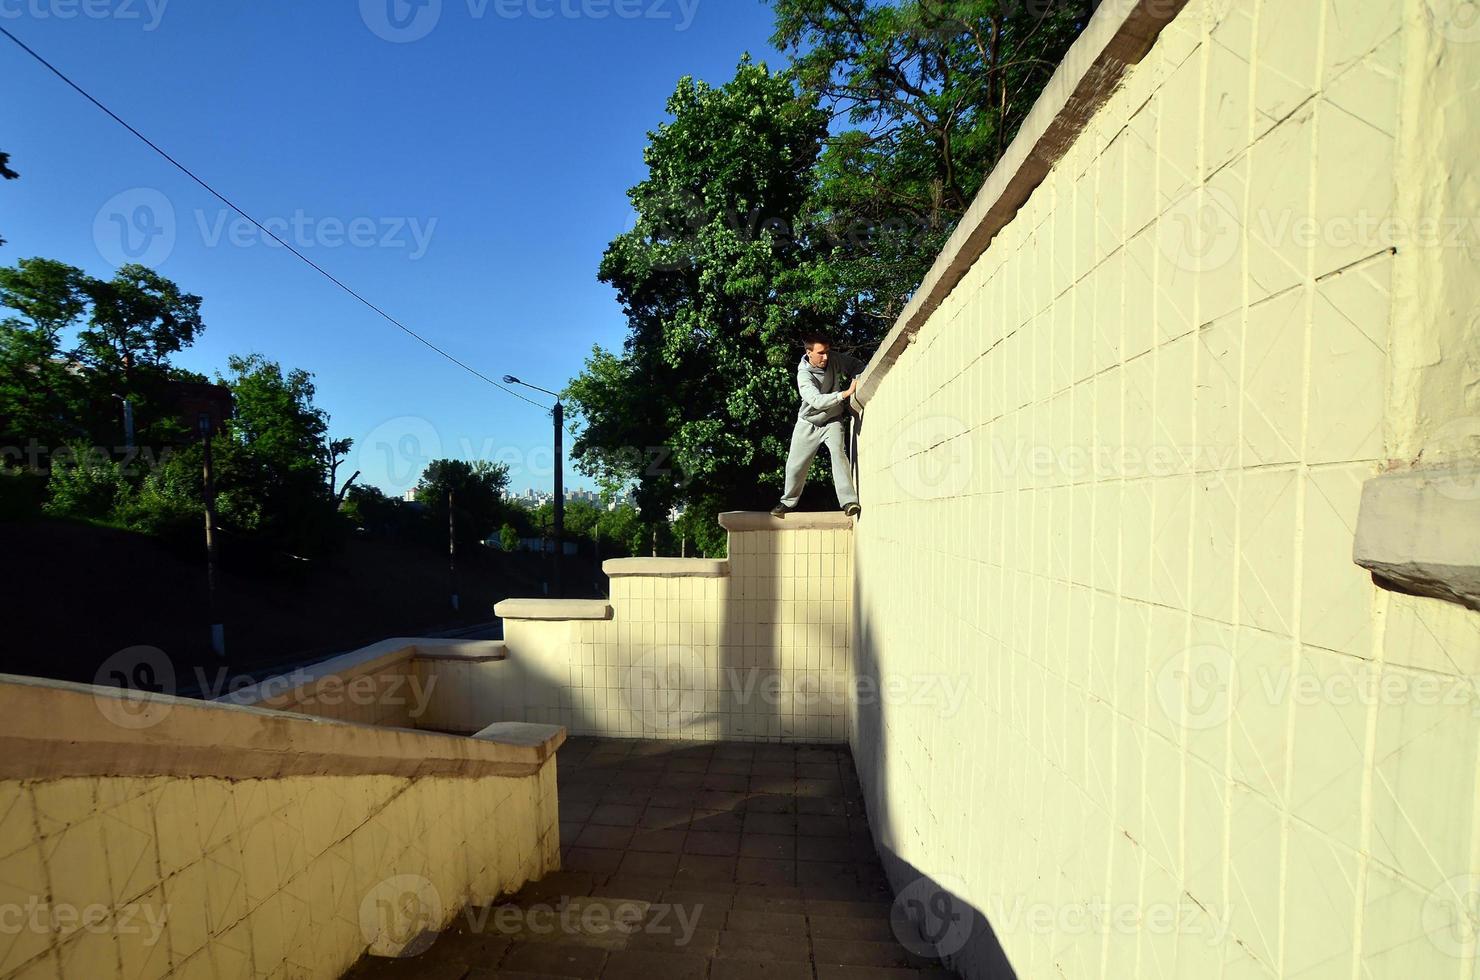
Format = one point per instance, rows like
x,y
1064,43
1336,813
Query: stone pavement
x,y
691,861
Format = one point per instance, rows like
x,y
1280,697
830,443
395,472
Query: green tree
x,y
928,95
272,470
477,490
39,396
138,320
716,285
508,538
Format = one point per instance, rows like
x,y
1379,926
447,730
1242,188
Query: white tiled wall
x,y
759,654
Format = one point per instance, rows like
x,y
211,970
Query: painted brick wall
x,y
1111,486
760,653
215,878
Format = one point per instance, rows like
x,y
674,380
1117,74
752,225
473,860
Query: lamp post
x,y
558,413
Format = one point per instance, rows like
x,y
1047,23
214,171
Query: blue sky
x,y
462,163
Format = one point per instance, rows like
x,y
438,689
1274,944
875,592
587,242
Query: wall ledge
x,y
553,609
543,739
299,684
760,520
1418,532
52,729
667,567
1118,36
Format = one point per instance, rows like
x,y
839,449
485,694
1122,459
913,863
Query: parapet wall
x,y
146,836
753,647
1111,465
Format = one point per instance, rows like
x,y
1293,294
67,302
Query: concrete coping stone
x,y
553,609
760,520
54,729
544,739
293,687
1418,532
667,567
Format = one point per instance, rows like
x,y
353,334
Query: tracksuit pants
x,y
806,439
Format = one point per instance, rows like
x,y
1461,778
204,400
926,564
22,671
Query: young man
x,y
820,421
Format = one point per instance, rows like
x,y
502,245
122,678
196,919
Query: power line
x,y
227,201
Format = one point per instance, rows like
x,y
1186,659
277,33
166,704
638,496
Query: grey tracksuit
x,y
820,421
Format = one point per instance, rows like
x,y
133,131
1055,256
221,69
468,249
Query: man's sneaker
x,y
781,510
852,510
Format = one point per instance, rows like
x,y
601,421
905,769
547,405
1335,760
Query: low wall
x,y
145,836
753,647
1112,460
439,685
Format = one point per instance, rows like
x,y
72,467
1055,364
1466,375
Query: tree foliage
x,y
476,490
926,96
781,202
715,284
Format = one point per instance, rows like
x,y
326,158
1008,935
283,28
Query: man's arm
x,y
813,395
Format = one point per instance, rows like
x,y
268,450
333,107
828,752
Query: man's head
x,y
817,346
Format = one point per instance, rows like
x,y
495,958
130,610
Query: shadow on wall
x,y
951,929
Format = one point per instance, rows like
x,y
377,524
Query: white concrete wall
x,y
1112,485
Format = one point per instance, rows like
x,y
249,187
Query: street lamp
x,y
558,413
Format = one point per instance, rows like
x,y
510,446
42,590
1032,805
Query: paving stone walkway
x,y
691,861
